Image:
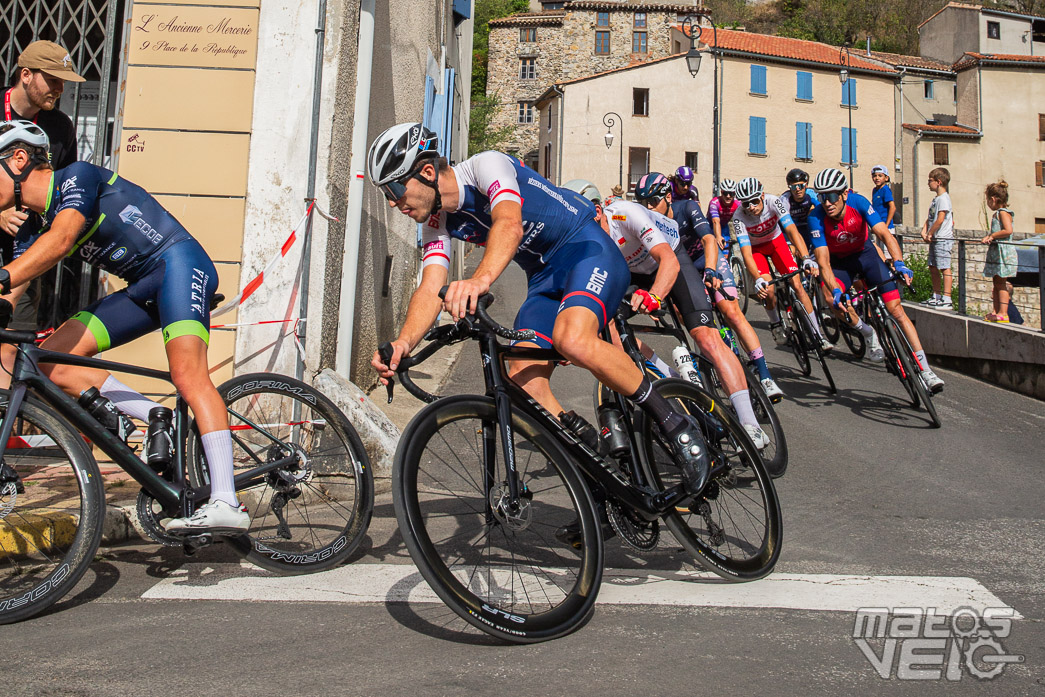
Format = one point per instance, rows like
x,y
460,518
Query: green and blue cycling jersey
x,y
127,233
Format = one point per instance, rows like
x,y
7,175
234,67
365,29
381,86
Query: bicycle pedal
x,y
194,543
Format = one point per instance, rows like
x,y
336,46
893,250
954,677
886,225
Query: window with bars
x,y
691,160
527,68
525,112
602,43
941,156
528,36
638,42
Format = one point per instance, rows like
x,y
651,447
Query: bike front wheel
x,y
312,513
740,276
912,374
504,566
51,507
734,527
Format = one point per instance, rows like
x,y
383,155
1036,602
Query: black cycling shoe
x,y
7,475
690,453
570,534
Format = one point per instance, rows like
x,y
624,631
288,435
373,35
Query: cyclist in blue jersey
x,y
840,227
92,215
799,199
576,277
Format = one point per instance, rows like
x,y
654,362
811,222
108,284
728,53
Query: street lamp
x,y
693,57
609,122
843,77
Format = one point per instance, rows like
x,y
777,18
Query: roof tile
x,y
941,130
784,47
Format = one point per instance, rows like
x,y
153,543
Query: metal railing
x,y
969,253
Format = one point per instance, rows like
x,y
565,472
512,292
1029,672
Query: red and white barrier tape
x,y
287,245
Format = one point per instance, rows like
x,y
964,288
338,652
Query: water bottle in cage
x,y
683,360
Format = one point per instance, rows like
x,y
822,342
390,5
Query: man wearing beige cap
x,y
43,68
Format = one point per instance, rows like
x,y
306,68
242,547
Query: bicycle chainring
x,y
150,519
641,535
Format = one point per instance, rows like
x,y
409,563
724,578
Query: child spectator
x,y
938,231
1001,258
882,195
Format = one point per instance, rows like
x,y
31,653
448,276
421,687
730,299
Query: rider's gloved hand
x,y
649,301
761,285
809,265
841,299
901,268
711,275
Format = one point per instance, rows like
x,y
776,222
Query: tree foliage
x,y
486,10
481,136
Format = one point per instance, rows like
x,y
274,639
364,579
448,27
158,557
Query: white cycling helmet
x,y
35,142
727,186
400,151
830,180
749,189
586,189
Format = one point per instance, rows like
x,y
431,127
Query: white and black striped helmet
x,y
749,189
830,180
727,186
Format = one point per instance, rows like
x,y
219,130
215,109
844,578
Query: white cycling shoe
x,y
215,517
757,436
875,353
932,381
772,390
826,345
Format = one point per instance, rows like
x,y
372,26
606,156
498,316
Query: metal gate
x,y
91,32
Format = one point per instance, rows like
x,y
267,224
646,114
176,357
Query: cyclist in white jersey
x,y
757,227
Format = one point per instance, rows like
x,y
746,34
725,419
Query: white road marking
x,y
379,583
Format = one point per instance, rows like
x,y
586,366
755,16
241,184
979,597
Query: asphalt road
x,y
872,492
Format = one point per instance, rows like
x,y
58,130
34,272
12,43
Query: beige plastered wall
x,y
873,119
679,121
185,137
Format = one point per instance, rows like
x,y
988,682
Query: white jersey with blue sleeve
x,y
751,230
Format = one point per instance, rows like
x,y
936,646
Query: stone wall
x,y
978,289
565,50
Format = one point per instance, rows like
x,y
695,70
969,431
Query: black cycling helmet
x,y
652,187
797,175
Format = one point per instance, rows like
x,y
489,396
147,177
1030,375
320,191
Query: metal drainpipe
x,y
360,124
313,151
915,178
903,73
562,121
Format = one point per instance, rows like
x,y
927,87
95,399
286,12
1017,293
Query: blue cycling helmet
x,y
652,186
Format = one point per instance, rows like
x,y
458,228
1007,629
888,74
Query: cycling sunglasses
x,y
750,203
797,186
394,190
832,197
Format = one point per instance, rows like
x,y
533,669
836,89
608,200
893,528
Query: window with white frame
x,y
527,68
525,112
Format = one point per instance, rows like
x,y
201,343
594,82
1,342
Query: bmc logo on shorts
x,y
597,280
118,254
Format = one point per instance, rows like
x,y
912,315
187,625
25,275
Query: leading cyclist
x,y
575,275
839,227
95,216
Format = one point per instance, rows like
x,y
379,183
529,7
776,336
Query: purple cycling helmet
x,y
683,175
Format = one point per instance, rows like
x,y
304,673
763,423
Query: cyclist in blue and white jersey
x,y
92,215
840,226
757,226
575,275
703,251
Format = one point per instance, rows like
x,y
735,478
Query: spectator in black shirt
x,y
43,69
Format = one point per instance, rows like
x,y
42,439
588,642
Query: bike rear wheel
x,y
502,570
734,527
797,341
740,276
51,511
313,513
855,341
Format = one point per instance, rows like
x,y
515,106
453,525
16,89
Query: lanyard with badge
x,y
7,106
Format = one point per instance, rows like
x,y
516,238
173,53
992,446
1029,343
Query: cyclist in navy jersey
x,y
682,187
576,277
92,215
800,199
703,251
840,227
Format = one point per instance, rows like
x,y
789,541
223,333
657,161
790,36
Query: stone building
x,y
960,27
530,51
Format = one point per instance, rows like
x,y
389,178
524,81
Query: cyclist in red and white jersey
x,y
757,226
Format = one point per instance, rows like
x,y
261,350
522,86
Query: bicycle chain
x,y
639,534
150,523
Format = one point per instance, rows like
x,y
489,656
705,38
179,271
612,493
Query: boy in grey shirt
x,y
938,231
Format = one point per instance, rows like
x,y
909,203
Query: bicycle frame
x,y
172,496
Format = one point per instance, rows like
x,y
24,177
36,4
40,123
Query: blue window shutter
x,y
757,135
449,94
803,140
762,136
845,145
758,79
751,138
856,154
462,10
799,133
849,92
805,85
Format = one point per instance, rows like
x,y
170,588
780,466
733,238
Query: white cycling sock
x,y
741,401
774,316
217,446
864,328
922,359
815,322
130,402
664,368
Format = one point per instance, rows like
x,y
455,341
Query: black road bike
x,y
834,328
801,336
482,483
300,469
900,358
